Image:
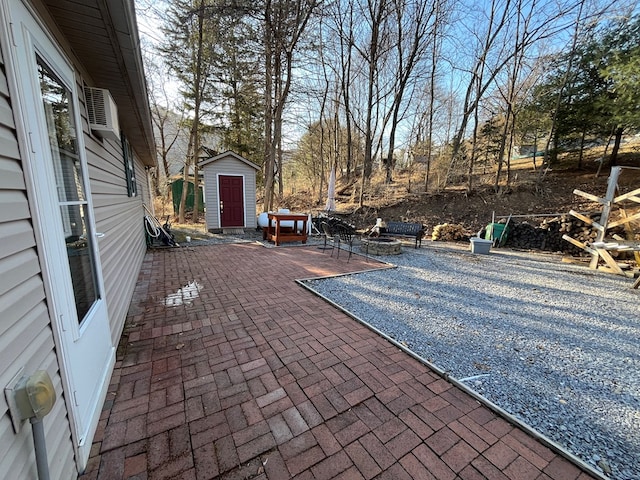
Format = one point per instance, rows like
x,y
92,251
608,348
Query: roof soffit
x,y
104,37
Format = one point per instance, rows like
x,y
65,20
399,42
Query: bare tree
x,y
167,123
578,29
436,44
169,127
412,28
530,28
497,19
345,23
186,49
522,22
372,48
284,23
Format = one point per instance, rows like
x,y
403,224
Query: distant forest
x,y
304,87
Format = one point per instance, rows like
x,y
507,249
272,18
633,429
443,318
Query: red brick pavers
x,y
255,377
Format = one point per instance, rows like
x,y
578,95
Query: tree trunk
x,y
474,151
323,104
281,38
535,149
391,161
613,160
194,135
432,93
565,79
373,53
196,193
269,158
345,85
183,197
503,147
165,165
581,155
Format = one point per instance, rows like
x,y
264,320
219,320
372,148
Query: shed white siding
x,y
26,338
229,165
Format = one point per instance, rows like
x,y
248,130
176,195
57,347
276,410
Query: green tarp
x,y
176,193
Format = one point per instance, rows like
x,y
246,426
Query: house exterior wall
x,y
28,339
119,217
229,166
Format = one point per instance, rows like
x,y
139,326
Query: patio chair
x,y
346,235
329,235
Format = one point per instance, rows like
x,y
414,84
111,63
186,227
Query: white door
x,y
61,205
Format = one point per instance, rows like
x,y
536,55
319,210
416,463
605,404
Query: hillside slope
x,y
474,210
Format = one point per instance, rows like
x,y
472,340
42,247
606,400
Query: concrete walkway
x,y
229,369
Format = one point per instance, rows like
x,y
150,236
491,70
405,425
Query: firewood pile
x,y
547,236
447,232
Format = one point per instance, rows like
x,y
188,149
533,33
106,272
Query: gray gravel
x,y
554,344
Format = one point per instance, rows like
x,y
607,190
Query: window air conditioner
x,y
102,112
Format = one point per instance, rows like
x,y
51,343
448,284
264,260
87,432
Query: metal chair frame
x,y
329,234
345,235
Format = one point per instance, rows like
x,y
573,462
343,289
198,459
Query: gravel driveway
x,y
554,344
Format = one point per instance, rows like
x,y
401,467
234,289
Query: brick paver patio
x,y
229,369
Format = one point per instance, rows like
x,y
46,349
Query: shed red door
x,y
231,201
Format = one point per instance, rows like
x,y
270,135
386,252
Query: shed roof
x,y
104,37
228,154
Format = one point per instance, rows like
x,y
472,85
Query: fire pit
x,y
380,246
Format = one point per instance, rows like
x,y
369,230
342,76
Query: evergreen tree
x,y
600,97
620,69
236,60
187,49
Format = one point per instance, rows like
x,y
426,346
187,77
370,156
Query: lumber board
x,y
613,265
612,185
579,244
600,248
630,234
587,220
636,284
589,196
632,195
618,246
607,269
624,220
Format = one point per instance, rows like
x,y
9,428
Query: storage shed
x,y
230,192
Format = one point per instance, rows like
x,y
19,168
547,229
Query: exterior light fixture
x,y
32,398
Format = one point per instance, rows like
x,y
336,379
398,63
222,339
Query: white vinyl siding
x,y
119,217
26,338
26,334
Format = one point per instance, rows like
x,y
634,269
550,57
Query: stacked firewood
x,y
447,232
548,234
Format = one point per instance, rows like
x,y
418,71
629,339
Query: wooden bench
x,y
405,229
